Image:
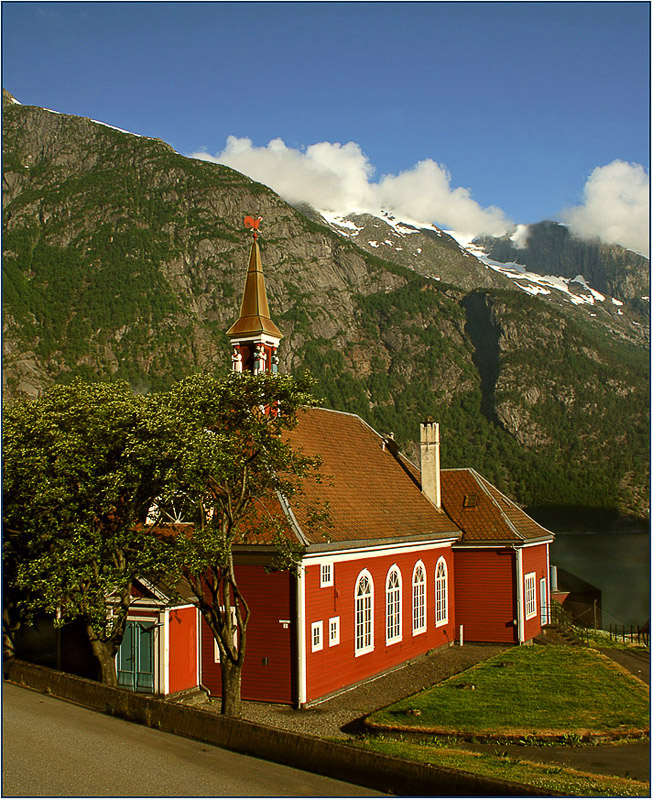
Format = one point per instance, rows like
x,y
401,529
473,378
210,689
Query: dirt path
x,y
637,661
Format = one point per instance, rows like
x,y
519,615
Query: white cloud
x,y
520,237
616,207
338,178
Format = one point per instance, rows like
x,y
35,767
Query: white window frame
x,y
317,636
530,596
363,615
544,602
326,573
441,593
418,595
334,631
393,615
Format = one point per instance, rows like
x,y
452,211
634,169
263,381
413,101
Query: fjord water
x,y
618,564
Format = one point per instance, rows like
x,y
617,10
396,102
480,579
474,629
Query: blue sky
x,y
517,103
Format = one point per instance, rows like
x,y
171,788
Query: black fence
x,y
584,629
629,634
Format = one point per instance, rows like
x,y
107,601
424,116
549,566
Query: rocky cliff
x,y
124,259
550,248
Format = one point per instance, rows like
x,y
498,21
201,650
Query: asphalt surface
x,y
52,748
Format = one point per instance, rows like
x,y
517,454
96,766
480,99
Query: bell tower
x,y
254,337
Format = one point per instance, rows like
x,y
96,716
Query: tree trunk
x,y
10,628
105,653
231,701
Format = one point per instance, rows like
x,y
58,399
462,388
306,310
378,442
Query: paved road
x,y
54,748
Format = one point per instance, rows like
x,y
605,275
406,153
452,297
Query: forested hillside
x,y
123,258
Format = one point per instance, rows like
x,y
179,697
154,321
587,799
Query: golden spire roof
x,y
254,312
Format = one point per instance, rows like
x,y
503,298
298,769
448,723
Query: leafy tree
x,y
81,467
233,470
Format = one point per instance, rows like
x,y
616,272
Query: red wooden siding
x,y
485,594
534,560
182,632
334,667
269,668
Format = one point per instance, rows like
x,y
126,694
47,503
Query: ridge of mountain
x,y
551,247
471,263
124,259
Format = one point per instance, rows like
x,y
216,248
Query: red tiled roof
x,y
482,512
370,495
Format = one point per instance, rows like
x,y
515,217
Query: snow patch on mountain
x,y
97,122
113,127
575,290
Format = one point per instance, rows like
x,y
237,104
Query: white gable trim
x,y
356,553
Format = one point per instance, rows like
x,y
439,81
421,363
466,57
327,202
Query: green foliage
x,y
85,463
120,261
81,466
231,472
408,369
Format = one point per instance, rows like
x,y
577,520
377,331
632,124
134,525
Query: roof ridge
x,y
515,506
484,483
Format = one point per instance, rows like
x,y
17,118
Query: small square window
x,y
334,631
316,636
326,574
470,501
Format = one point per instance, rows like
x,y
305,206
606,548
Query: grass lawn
x,y
556,779
529,690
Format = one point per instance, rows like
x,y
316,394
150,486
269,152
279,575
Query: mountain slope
x,y
483,263
425,249
124,259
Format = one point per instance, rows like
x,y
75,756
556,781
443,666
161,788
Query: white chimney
x,y
430,457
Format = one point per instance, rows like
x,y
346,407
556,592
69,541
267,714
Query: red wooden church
x,y
417,558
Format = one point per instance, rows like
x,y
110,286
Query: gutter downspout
x,y
301,636
166,651
300,604
520,595
548,585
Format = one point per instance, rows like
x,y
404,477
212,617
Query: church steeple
x,y
254,337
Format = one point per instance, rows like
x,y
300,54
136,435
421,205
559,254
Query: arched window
x,y
441,605
419,598
393,606
364,618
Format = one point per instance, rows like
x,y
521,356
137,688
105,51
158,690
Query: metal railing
x,y
583,626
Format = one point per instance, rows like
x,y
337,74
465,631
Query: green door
x,y
136,657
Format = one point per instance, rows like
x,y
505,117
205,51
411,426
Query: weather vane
x,y
252,223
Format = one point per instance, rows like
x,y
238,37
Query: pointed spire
x,y
254,337
254,311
